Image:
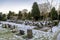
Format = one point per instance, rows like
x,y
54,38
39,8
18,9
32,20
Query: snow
x,y
37,34
19,26
58,37
54,29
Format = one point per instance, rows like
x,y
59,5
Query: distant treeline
x,y
33,15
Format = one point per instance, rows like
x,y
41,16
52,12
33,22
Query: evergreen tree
x,y
29,16
10,14
59,17
54,14
35,11
0,15
4,17
19,15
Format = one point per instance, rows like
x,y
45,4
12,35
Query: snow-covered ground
x,y
37,34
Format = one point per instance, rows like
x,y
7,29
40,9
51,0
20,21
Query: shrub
x,y
55,23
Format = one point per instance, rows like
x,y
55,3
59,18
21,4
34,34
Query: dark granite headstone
x,y
21,32
9,26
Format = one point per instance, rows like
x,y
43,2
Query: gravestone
x,y
14,30
9,26
25,23
4,25
21,32
29,33
41,24
12,27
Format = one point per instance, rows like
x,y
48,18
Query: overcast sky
x,y
16,5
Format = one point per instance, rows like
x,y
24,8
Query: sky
x,y
16,5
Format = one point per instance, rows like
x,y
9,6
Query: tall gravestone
x,y
29,33
7,25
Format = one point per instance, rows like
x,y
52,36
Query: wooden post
x,y
29,33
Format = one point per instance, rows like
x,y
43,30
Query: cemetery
x,y
26,32
29,19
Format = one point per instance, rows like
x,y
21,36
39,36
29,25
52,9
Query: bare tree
x,y
50,10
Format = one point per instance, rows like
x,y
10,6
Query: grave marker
x,y
29,33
